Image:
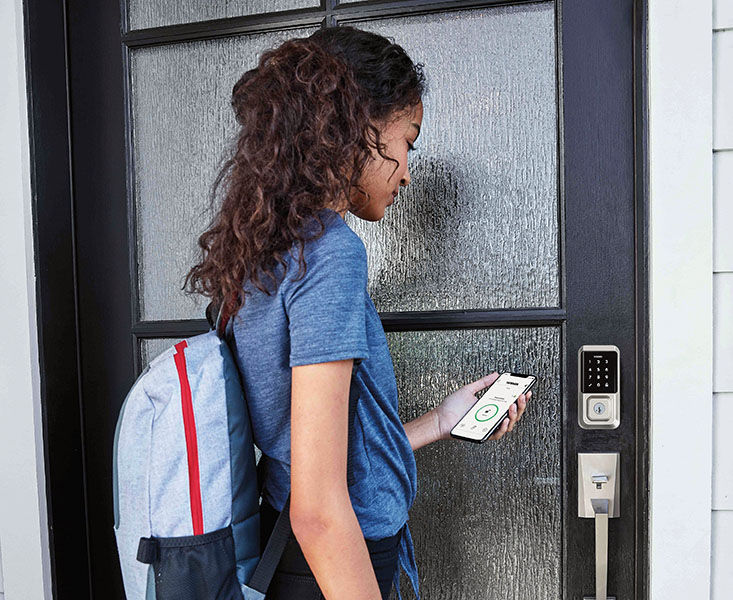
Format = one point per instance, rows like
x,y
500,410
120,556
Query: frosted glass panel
x,y
182,120
486,521
149,349
145,13
478,225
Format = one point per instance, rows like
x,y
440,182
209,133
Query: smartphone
x,y
487,414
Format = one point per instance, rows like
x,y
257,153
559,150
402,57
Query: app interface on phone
x,y
491,406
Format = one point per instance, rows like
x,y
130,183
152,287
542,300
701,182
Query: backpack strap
x,y
218,318
279,537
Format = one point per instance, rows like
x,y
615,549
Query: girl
x,y
326,124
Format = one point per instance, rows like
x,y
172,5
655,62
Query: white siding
x,y
722,500
723,88
723,331
723,207
722,14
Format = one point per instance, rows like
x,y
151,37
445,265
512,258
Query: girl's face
x,y
378,178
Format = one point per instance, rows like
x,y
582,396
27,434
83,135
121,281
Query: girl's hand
x,y
453,407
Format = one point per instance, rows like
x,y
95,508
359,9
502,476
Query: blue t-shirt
x,y
325,316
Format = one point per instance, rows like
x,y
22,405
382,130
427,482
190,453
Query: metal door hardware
x,y
599,387
598,498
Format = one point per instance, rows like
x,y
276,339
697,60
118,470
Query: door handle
x,y
598,498
600,510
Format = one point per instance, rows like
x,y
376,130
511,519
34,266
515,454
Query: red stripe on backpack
x,y
189,426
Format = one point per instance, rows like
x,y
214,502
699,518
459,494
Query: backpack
x,y
185,479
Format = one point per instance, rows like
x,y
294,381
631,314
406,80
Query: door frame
x,y
52,67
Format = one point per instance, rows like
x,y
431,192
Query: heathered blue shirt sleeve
x,y
326,309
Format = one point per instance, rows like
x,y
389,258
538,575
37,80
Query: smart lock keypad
x,y
599,372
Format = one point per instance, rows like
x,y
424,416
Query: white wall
x,y
722,493
681,279
23,526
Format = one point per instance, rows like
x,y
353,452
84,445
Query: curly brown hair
x,y
310,114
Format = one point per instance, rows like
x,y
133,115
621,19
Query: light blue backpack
x,y
186,490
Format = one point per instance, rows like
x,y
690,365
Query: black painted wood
x,y
598,157
392,321
329,12
53,212
643,381
85,260
103,276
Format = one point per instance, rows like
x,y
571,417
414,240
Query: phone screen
x,y
491,409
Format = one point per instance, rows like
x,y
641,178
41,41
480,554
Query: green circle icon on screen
x,y
486,412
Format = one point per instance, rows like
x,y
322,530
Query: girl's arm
x,y
321,515
424,430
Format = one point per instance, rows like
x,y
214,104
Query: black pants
x,y
293,578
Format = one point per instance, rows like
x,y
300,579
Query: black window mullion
x,y
328,14
392,321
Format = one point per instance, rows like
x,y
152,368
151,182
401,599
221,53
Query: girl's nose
x,y
406,178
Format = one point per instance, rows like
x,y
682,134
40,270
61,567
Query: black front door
x,y
519,240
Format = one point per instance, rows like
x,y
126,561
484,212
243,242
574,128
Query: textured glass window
x,y
482,511
182,120
486,521
144,13
478,225
151,348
